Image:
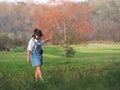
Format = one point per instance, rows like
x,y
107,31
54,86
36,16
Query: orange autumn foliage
x,y
60,19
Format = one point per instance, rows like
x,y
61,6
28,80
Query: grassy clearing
x,y
95,66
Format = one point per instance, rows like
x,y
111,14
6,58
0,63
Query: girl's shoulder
x,y
31,40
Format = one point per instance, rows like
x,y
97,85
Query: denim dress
x,y
36,56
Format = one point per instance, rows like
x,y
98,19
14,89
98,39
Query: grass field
x,y
94,67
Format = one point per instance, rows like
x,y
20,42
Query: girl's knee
x,y
38,67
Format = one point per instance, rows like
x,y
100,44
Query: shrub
x,y
69,51
19,49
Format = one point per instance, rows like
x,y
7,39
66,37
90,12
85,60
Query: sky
x,y
40,1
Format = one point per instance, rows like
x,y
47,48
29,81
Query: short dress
x,y
36,54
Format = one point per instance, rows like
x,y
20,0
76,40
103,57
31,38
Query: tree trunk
x,y
65,35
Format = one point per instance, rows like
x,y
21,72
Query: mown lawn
x,y
94,67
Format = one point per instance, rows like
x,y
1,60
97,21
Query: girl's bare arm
x,y
48,39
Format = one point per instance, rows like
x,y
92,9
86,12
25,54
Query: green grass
x,y
94,67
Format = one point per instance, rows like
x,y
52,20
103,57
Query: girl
x,y
35,52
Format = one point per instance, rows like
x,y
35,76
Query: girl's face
x,y
37,37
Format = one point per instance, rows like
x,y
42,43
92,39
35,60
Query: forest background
x,y
87,21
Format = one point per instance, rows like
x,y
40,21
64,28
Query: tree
x,y
65,21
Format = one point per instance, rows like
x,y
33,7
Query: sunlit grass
x,y
98,48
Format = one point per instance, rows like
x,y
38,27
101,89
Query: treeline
x,y
17,21
105,16
16,25
16,18
21,18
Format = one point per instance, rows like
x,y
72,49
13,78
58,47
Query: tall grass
x,y
94,67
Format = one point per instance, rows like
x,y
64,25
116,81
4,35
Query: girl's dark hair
x,y
37,32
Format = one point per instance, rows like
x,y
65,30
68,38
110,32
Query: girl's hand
x,y
50,37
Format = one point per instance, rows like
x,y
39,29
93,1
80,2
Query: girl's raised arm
x,y
48,39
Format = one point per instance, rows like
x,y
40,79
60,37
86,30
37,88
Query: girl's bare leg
x,y
39,72
36,74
